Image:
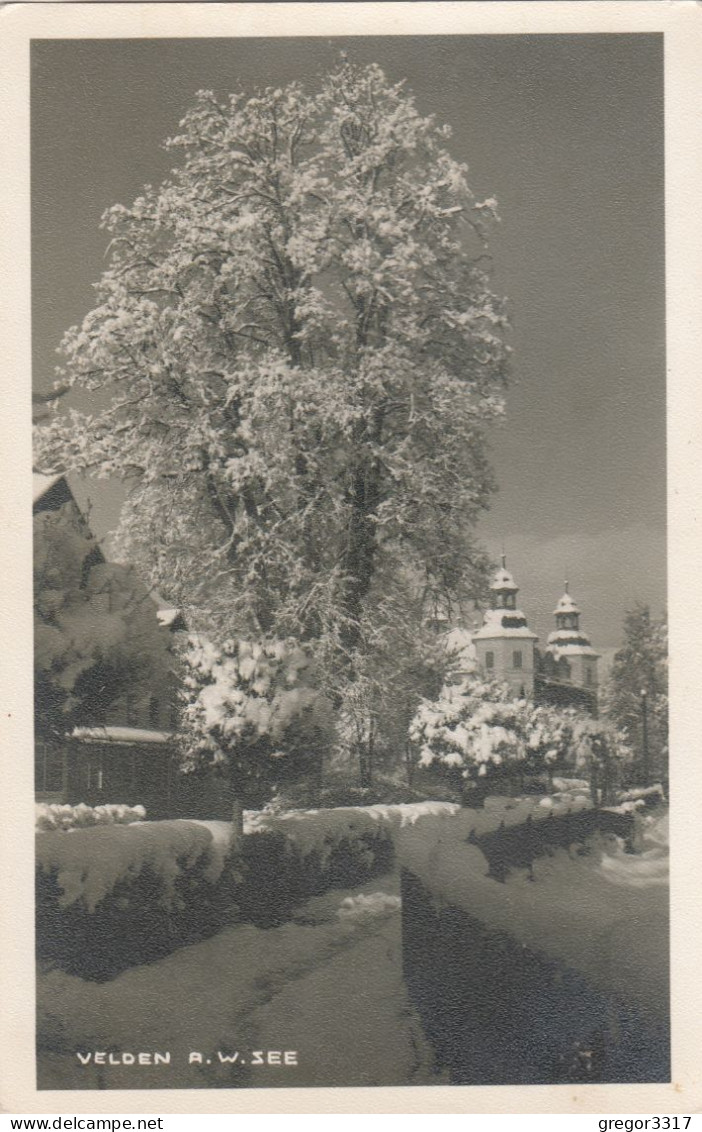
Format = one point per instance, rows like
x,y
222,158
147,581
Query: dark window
x,y
48,768
517,658
489,660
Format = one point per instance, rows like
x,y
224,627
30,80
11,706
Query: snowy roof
x,y
493,625
503,580
585,649
460,642
41,484
569,635
119,735
566,604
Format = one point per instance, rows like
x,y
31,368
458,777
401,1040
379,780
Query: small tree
x,y
252,711
603,755
635,696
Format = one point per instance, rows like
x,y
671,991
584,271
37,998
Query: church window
x,y
517,658
489,660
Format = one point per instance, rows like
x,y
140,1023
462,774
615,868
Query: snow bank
x,y
642,792
89,863
50,816
366,906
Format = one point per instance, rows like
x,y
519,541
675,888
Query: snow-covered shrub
x,y
54,815
321,831
478,726
253,711
91,863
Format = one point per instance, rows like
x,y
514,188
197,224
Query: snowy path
x,y
327,986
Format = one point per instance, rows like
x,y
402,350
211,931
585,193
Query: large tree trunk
x,y
360,550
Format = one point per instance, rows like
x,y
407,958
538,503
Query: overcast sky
x,y
567,133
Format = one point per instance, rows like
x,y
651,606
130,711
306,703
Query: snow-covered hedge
x,y
92,863
116,896
54,815
299,853
320,832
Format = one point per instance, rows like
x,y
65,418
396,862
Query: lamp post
x,y
644,737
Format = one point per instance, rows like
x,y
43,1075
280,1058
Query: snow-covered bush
x,y
91,863
479,726
54,815
321,831
650,795
253,711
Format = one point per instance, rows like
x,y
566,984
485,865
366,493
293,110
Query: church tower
x,y
504,645
574,657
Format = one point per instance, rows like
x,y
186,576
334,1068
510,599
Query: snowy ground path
x,y
327,985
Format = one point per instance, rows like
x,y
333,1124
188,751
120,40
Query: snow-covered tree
x,y
296,351
638,685
255,712
603,755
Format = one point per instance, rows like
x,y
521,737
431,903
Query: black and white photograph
x,y
350,558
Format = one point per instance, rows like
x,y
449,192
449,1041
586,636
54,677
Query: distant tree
x,y
603,754
297,351
637,687
95,632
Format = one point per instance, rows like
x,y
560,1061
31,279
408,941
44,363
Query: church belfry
x,y
504,645
570,647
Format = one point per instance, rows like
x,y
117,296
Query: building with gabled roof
x,y
118,747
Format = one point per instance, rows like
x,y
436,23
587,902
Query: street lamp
x,y
644,736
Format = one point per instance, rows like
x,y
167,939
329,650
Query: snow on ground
x,y
328,986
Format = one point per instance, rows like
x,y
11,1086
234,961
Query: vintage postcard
x,y
348,746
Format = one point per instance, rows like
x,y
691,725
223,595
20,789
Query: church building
x,y
564,674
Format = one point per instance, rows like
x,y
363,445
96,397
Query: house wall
x,y
503,649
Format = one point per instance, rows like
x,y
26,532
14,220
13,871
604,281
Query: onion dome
x,y
568,639
504,619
